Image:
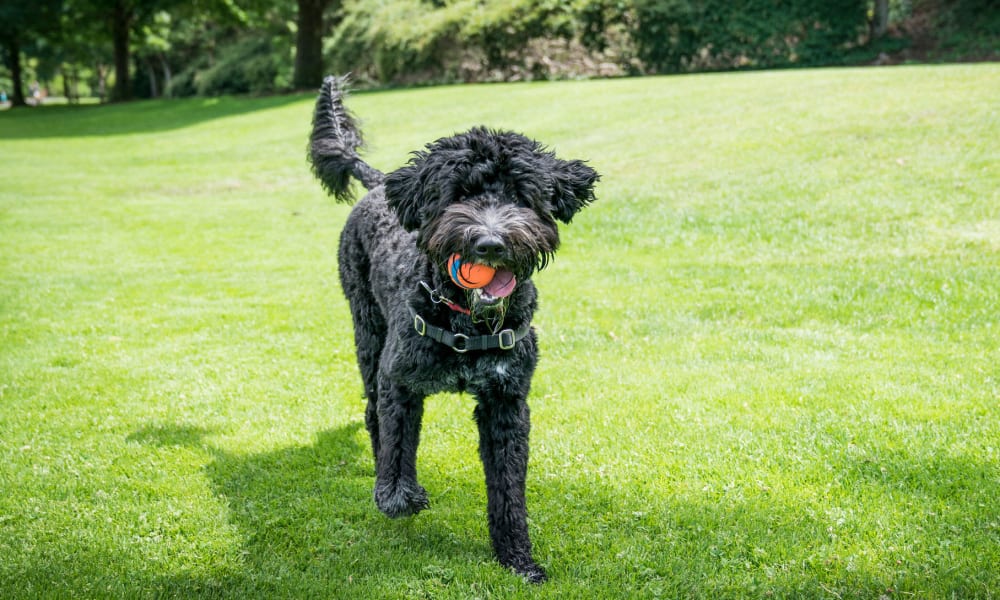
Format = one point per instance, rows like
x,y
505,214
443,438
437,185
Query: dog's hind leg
x,y
503,446
369,336
397,493
369,322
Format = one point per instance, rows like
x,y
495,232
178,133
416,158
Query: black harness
x,y
505,339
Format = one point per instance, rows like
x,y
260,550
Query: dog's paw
x,y
401,499
531,572
522,564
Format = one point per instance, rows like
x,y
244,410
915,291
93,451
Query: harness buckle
x,y
460,337
507,339
419,325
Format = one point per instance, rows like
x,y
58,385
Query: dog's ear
x,y
404,193
572,187
431,181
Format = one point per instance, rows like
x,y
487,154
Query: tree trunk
x,y
102,81
880,19
167,75
13,48
154,90
66,84
76,84
121,24
309,44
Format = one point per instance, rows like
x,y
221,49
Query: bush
x,y
255,64
966,27
185,83
399,41
410,40
684,35
404,41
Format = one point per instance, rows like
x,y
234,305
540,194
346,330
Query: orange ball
x,y
469,276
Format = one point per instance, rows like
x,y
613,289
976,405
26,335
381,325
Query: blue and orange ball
x,y
469,276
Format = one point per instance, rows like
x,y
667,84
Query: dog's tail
x,y
335,141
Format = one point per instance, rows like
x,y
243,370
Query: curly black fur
x,y
490,195
335,141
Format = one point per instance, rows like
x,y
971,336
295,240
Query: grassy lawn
x,y
771,350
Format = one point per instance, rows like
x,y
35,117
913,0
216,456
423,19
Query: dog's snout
x,y
489,248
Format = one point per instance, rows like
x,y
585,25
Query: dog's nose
x,y
489,248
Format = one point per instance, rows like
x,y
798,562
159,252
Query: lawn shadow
x,y
188,436
146,116
305,512
308,527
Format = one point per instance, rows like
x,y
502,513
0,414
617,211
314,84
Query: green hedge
x,y
411,40
965,28
402,41
681,35
256,64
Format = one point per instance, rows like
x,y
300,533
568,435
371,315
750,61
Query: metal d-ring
x,y
419,325
436,296
507,339
465,343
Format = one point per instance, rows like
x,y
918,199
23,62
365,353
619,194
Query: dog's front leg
x,y
503,446
397,493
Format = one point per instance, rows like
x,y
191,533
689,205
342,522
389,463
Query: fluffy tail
x,y
335,141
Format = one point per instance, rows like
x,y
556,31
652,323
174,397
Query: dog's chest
x,y
491,371
494,371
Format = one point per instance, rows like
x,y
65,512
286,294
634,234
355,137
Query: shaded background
x,y
123,49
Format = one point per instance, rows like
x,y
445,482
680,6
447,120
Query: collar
x,y
461,343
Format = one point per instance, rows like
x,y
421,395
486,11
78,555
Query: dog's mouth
x,y
501,286
487,288
486,284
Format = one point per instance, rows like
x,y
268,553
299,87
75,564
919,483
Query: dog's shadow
x,y
304,512
308,527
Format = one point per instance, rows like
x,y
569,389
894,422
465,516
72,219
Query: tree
x,y
309,44
122,18
117,18
21,21
85,48
880,19
123,14
153,49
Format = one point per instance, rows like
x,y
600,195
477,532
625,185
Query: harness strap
x,y
437,298
461,343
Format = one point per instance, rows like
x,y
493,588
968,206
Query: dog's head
x,y
491,197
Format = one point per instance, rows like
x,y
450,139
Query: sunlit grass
x,y
769,349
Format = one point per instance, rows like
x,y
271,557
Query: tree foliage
x,y
406,39
682,35
22,24
149,48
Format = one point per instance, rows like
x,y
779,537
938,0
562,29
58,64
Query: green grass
x,y
770,349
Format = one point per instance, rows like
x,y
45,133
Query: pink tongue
x,y
502,285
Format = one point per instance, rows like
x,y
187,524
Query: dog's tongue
x,y
502,285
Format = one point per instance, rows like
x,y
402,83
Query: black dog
x,y
436,262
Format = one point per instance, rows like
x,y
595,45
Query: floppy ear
x,y
572,188
404,193
432,180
